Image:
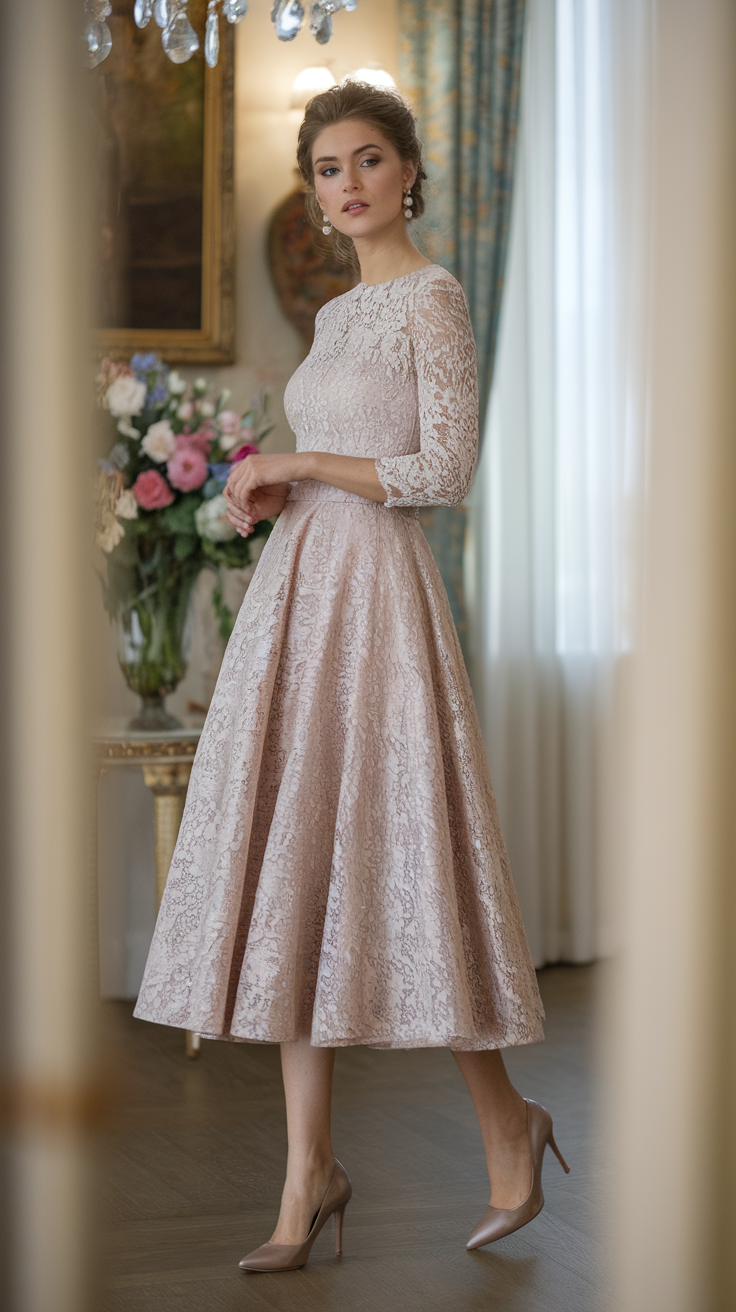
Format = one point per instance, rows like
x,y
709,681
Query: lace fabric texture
x,y
340,871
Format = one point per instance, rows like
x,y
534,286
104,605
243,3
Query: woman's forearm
x,y
351,473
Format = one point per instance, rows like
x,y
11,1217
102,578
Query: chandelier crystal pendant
x,y
320,24
287,17
143,12
212,35
97,36
234,10
178,37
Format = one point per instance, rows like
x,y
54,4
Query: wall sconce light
x,y
309,83
373,73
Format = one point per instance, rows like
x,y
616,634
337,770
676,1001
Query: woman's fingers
x,y
240,481
231,495
241,520
246,508
240,512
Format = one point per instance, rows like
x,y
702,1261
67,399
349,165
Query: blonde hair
x,y
383,109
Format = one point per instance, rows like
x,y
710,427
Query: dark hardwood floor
x,y
191,1171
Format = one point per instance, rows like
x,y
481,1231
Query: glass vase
x,y
154,638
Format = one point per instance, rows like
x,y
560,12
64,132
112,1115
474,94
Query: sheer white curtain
x,y
553,508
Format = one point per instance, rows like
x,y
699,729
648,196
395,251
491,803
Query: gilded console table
x,y
166,761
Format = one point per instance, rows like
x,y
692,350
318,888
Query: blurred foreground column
x,y
46,1009
675,1072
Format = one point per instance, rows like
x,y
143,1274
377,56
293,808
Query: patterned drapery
x,y
459,68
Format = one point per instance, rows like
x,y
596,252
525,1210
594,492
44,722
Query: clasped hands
x,y
259,485
257,488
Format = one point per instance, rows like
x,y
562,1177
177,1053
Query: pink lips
x,y
354,207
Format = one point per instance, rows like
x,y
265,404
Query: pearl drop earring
x,y
328,226
408,202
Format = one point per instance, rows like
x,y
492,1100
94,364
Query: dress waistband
x,y
311,489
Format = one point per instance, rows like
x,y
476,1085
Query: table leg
x,y
168,783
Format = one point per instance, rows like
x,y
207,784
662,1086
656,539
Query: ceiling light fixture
x,y
178,37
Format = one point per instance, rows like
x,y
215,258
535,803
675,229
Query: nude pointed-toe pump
x,y
496,1222
288,1257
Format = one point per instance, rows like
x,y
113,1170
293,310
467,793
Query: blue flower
x,y
212,488
144,362
221,471
106,466
157,396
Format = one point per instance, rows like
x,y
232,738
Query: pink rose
x,y
228,420
199,441
248,450
187,469
151,490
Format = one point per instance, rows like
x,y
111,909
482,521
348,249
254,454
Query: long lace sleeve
x,y
441,472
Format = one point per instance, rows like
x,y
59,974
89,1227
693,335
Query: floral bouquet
x,y
161,514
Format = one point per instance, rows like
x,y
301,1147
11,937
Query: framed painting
x,y
163,136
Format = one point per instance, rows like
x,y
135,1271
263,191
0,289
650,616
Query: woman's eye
x,y
326,173
370,161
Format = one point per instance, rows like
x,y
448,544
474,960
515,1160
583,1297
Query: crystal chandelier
x,y
178,37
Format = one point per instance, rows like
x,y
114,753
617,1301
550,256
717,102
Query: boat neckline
x,y
422,269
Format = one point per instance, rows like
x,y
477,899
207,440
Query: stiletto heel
x,y
288,1257
558,1154
497,1222
339,1214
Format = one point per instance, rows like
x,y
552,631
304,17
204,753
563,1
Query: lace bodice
x,y
392,375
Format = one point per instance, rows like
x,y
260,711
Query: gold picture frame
x,y
213,340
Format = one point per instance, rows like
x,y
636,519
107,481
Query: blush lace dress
x,y
340,870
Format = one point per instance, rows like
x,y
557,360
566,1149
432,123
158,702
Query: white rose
x,y
229,441
159,441
125,396
229,421
111,533
176,385
127,429
185,411
126,506
211,522
206,409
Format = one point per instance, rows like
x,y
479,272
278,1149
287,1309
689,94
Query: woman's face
x,y
359,178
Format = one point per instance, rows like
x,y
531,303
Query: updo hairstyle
x,y
384,109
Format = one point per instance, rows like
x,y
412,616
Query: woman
x,y
340,876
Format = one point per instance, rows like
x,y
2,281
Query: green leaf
x,y
233,555
179,517
223,613
185,545
126,552
135,528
